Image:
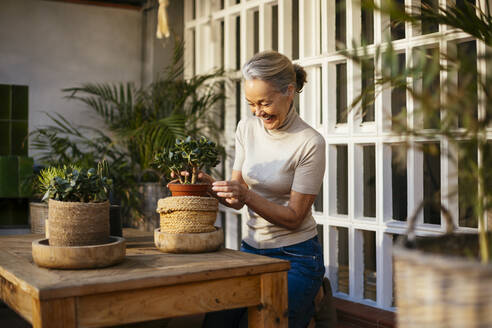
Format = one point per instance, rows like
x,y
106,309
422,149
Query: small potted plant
x,y
191,156
78,205
187,218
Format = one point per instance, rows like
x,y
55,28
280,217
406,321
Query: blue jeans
x,y
303,280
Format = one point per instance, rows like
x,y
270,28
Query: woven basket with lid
x,y
187,214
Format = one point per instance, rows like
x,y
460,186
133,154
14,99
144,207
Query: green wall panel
x,y
14,212
19,138
9,177
4,138
5,101
20,102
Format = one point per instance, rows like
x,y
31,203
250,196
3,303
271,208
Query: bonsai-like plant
x,y
74,184
187,155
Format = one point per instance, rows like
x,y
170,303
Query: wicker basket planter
x,y
78,224
187,222
187,214
38,214
441,283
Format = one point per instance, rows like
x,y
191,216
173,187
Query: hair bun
x,y
300,77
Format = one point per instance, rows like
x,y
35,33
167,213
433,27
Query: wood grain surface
x,y
148,285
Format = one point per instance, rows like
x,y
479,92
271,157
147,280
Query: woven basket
x,y
38,214
78,224
187,214
440,283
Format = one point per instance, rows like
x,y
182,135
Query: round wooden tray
x,y
78,257
200,242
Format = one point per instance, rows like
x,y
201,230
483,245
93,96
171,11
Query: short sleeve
x,y
239,148
308,175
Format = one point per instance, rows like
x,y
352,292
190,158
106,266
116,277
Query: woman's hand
x,y
233,192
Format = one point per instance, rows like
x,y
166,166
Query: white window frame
x,y
315,55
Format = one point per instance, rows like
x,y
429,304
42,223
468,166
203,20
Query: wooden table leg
x,y
273,310
54,313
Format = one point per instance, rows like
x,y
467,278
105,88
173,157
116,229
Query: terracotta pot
x,y
198,189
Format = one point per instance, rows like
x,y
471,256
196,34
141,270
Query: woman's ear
x,y
290,91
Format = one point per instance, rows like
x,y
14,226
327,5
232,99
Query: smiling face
x,y
267,103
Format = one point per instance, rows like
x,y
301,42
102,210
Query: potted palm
x,y
187,218
444,281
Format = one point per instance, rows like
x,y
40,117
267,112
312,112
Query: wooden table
x,y
148,285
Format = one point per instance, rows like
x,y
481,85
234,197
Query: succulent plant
x,y
190,155
74,184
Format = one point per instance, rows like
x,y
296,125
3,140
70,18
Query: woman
x,y
277,173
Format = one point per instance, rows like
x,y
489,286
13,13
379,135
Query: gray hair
x,y
275,68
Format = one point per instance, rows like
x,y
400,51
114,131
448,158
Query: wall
x,y
53,45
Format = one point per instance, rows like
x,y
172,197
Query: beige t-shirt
x,y
274,162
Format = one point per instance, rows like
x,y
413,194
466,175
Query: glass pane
x,y
340,25
428,61
432,183
275,27
193,9
223,223
399,182
256,31
320,93
5,101
341,93
295,29
320,228
222,45
238,102
393,299
398,28
320,27
222,108
19,138
20,103
398,95
369,264
239,230
342,179
318,201
222,4
238,42
429,26
369,187
4,138
343,260
487,162
460,4
467,184
367,21
467,81
367,71
193,51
